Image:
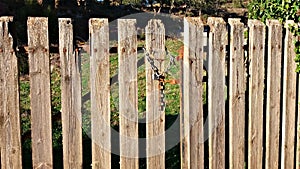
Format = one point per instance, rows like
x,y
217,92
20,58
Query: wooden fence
x,y
253,96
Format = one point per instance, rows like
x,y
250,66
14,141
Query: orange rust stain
x,y
180,53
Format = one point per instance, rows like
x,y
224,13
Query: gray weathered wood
x,y
100,94
70,97
192,147
216,92
257,34
273,93
128,106
237,88
155,118
289,101
40,102
10,138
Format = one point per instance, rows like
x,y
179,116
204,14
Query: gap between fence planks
x,y
216,92
10,136
273,93
289,101
40,103
70,97
100,94
192,140
128,106
257,33
237,88
155,118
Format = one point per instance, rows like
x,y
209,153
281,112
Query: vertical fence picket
x,y
40,103
216,92
100,94
155,118
70,97
192,147
289,101
273,93
257,36
237,89
128,106
10,139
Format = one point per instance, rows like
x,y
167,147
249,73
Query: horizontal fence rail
x,y
251,120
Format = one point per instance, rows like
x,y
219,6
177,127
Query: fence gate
x,y
252,92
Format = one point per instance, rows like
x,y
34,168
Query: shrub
x,y
282,10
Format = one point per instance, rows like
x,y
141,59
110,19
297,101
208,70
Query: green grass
x,y
172,91
172,98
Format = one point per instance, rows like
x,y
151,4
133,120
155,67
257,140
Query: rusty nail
x,y
1,50
64,50
123,50
95,50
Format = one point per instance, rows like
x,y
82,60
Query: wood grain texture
x,y
128,94
289,101
40,102
192,147
216,92
70,97
257,34
100,94
155,118
10,136
237,88
273,93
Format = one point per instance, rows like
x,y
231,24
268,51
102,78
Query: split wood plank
x,y
155,118
237,89
216,92
100,94
257,34
128,91
192,140
273,93
70,97
289,100
40,95
10,136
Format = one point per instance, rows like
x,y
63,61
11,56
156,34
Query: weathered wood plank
x,y
155,118
216,92
192,116
273,93
10,136
40,102
100,94
257,34
237,88
289,101
70,97
128,106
